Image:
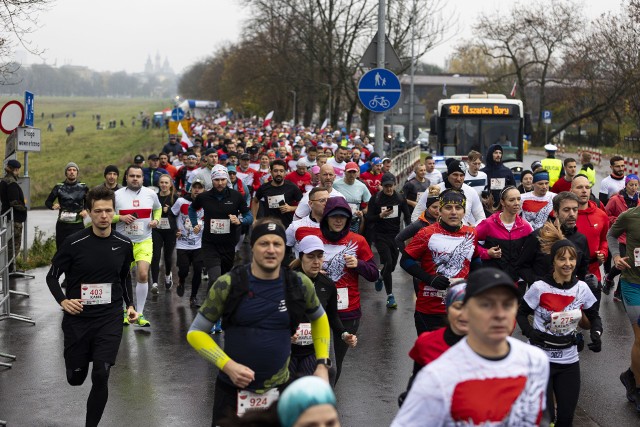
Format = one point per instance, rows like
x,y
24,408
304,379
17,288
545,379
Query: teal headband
x,y
301,395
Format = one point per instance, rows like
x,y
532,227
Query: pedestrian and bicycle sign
x,y
177,114
379,90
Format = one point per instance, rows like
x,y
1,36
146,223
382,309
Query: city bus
x,y
468,122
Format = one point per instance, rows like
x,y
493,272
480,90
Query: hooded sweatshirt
x,y
498,175
336,246
594,224
493,232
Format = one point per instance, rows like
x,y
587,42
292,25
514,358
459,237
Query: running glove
x,y
596,342
439,282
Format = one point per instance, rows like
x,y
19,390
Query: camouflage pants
x,y
17,239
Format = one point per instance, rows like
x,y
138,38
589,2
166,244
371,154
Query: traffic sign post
x,y
546,118
177,114
28,108
379,90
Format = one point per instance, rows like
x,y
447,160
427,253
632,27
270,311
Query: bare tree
x,y
18,19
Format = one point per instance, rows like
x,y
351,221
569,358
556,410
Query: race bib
x,y
96,293
354,207
343,298
164,224
275,201
250,401
394,212
136,228
304,334
498,183
636,257
220,226
68,216
564,322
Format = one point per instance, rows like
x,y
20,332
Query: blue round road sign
x,y
379,90
177,114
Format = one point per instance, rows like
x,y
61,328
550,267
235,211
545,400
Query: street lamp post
x,y
329,86
294,107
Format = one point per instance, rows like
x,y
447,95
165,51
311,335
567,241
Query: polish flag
x,y
184,141
222,121
267,120
513,90
324,124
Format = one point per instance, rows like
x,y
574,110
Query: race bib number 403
x,y
95,293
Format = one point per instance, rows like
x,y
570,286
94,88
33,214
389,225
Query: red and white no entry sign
x,y
11,116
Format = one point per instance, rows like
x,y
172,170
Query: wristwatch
x,y
344,334
325,362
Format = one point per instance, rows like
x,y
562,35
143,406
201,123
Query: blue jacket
x,y
497,171
147,174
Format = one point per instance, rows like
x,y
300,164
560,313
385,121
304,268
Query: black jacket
x,y
11,196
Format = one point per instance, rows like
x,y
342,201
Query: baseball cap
x,y
14,164
198,181
376,161
388,178
488,278
245,156
309,244
340,211
138,158
231,168
152,157
224,157
351,166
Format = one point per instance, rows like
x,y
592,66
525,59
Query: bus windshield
x,y
464,134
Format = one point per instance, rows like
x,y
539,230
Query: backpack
x,y
294,296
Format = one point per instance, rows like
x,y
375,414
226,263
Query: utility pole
x,y
411,93
294,108
379,142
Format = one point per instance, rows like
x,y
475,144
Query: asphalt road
x,y
160,381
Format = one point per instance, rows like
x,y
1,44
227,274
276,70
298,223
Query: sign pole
x,y
379,142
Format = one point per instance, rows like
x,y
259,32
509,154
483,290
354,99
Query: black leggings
x,y
388,252
162,239
564,384
613,272
66,229
341,347
429,322
187,257
99,388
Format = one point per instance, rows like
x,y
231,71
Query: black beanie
x,y
111,168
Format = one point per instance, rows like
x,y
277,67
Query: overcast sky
x,y
119,35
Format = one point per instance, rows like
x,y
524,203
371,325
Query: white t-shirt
x,y
338,168
610,186
141,204
473,212
536,209
310,163
304,209
462,388
188,240
291,231
434,177
557,312
478,182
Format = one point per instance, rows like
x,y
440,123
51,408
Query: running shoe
x,y
391,301
125,322
154,289
217,328
379,282
142,322
193,302
629,383
617,294
168,281
607,285
180,288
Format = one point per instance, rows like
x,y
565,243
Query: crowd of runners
x,y
281,224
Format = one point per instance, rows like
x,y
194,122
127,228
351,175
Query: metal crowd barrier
x,y
6,239
402,164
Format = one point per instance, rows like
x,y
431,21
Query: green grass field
x,y
90,148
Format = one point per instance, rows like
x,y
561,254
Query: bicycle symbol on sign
x,y
379,101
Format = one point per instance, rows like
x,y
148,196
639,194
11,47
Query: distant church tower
x,y
158,64
148,67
